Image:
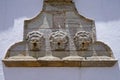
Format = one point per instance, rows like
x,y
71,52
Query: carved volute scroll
x,y
58,40
82,40
35,40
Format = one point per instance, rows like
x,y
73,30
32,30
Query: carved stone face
x,y
58,40
82,40
35,40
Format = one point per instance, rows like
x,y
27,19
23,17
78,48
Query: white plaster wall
x,y
99,10
62,73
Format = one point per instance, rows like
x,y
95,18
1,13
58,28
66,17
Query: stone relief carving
x,y
82,40
58,40
35,40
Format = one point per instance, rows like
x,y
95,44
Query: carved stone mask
x,y
35,40
82,40
58,40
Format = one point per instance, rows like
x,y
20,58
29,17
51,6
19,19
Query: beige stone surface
x,y
21,58
99,58
74,58
49,58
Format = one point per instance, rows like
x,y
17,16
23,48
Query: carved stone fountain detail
x,y
56,39
35,40
82,40
59,40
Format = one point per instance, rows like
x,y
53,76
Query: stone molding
x,y
65,63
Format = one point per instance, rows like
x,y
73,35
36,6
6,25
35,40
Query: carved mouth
x,y
58,43
35,45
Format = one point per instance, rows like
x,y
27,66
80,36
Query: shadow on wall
x,y
11,10
99,10
96,10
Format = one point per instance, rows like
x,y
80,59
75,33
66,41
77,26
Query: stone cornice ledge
x,y
59,63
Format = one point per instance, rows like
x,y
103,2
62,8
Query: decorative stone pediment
x,y
59,37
